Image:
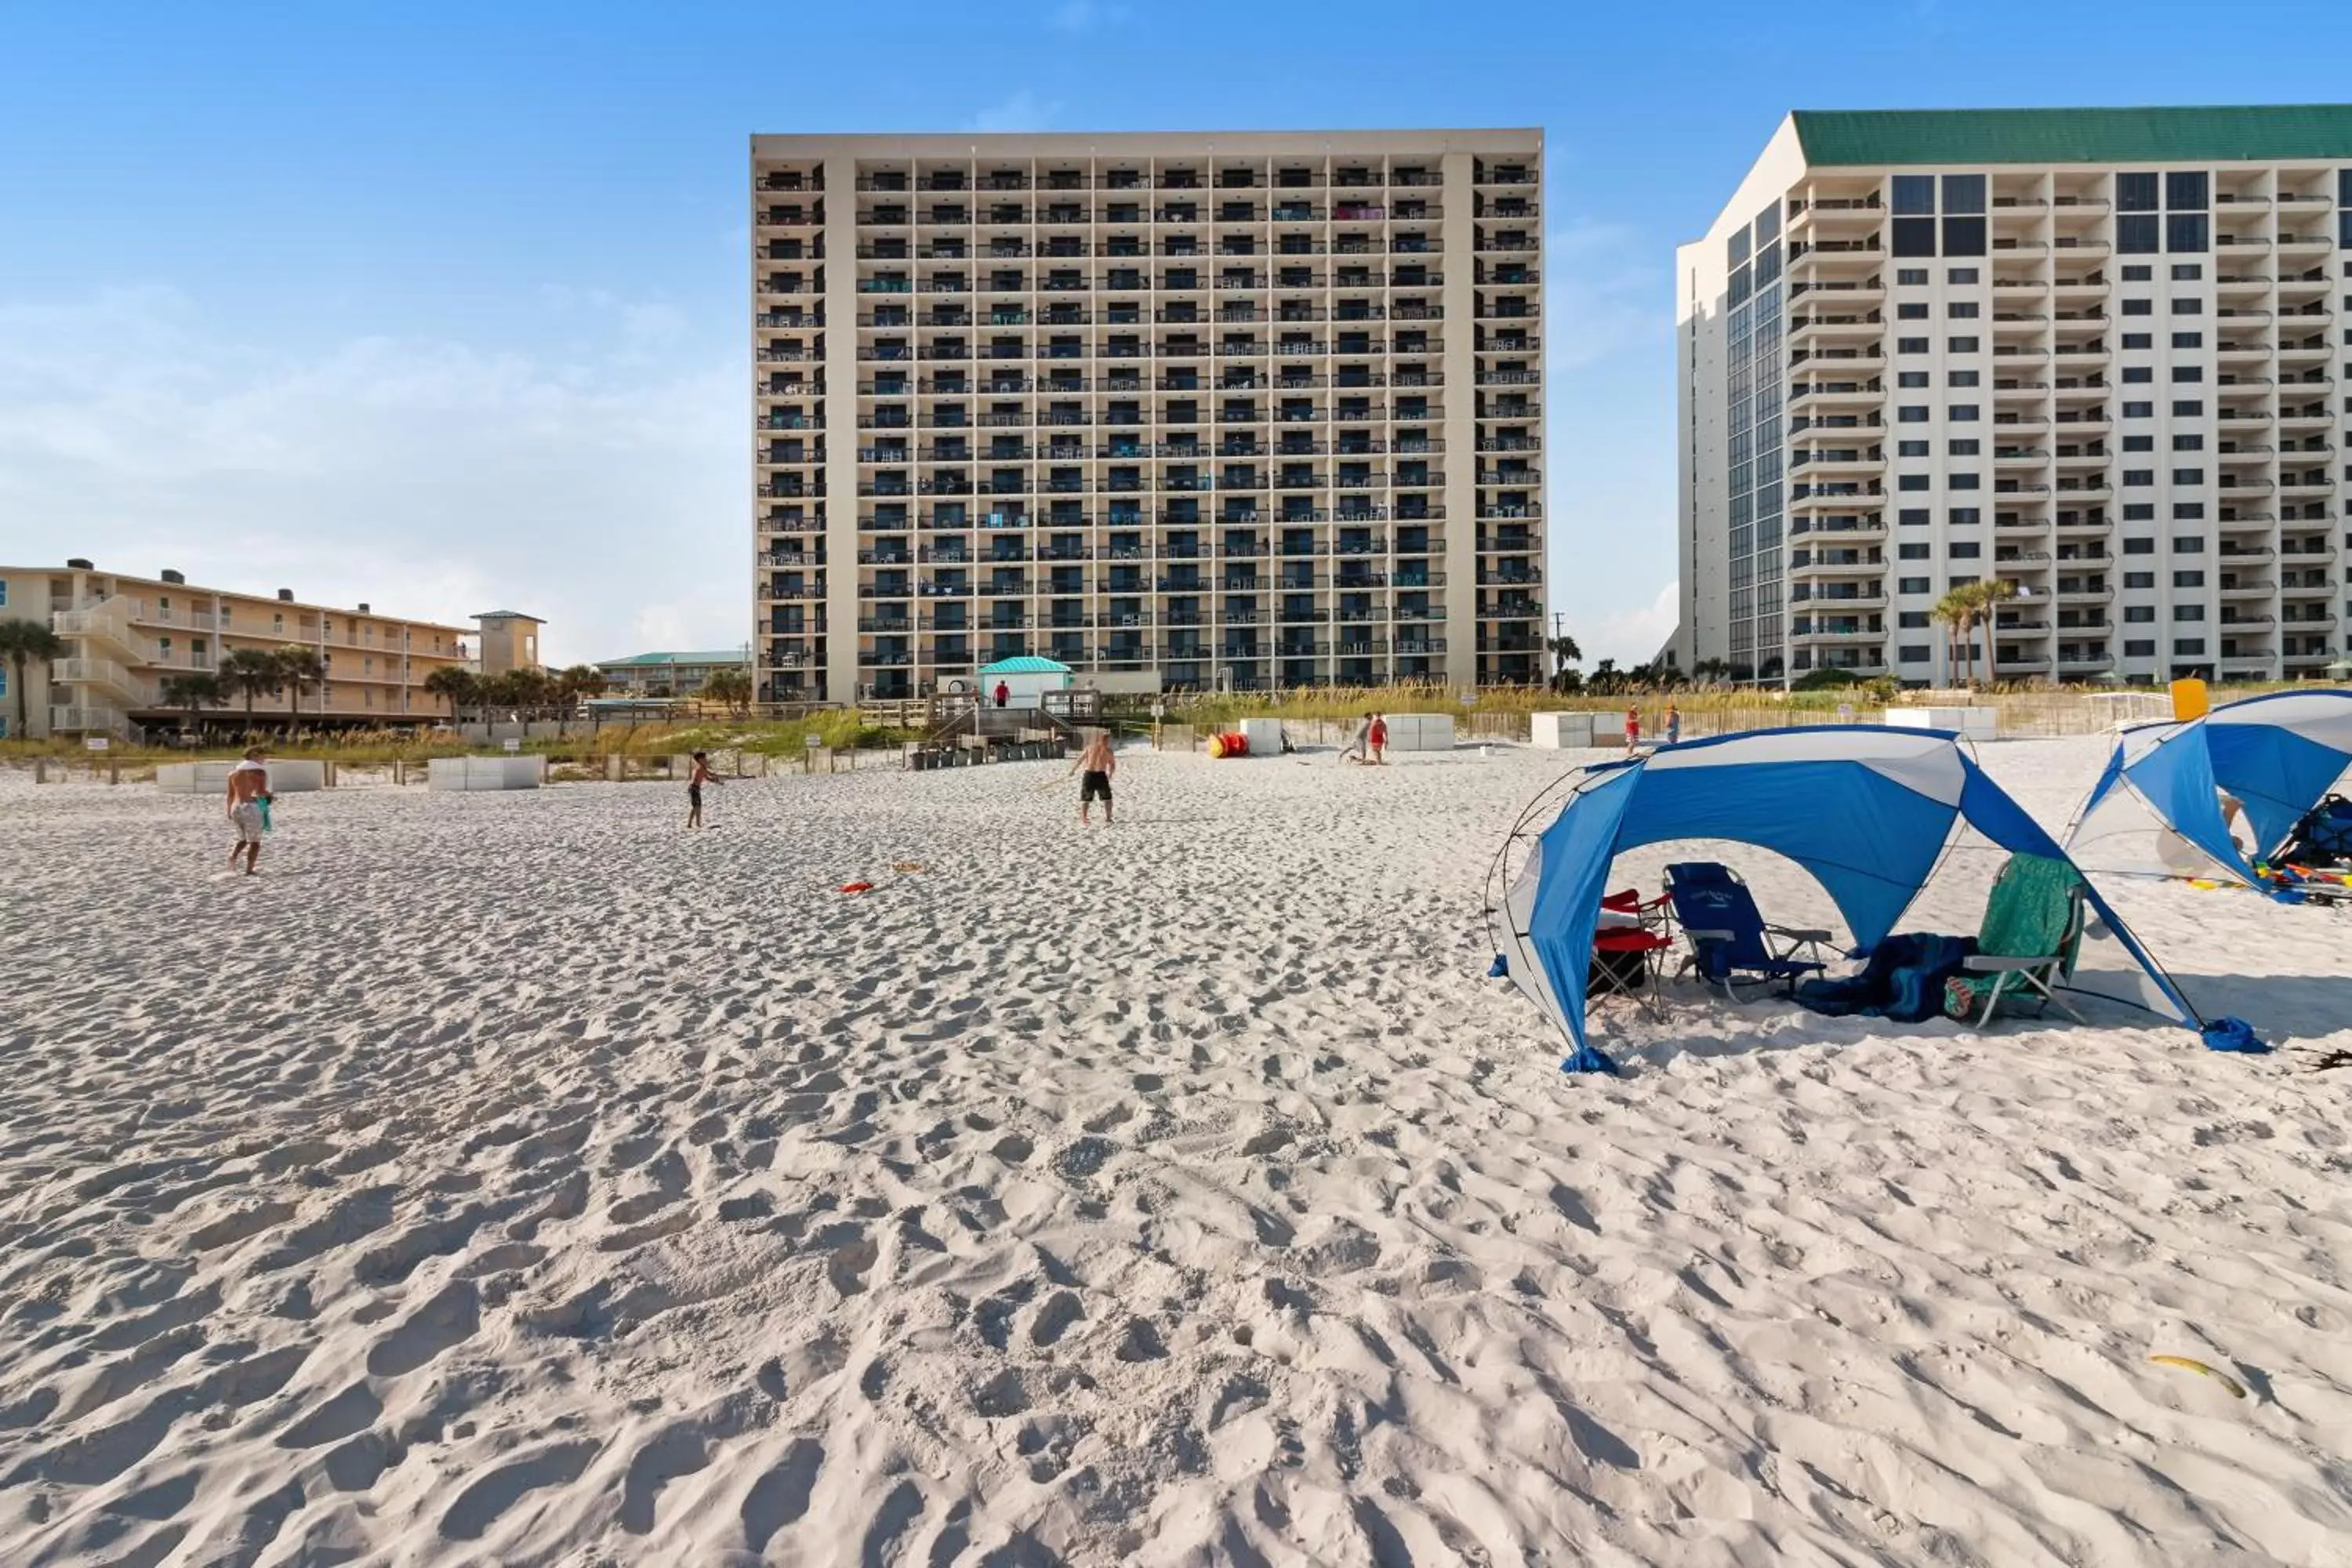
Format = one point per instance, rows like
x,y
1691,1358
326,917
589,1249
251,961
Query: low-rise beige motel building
x,y
125,637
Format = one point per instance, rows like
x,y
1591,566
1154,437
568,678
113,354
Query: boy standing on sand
x,y
249,788
1633,729
1097,764
1377,738
695,781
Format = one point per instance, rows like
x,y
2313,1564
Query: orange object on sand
x,y
858,887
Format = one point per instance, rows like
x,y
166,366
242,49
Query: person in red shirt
x,y
1377,738
1002,693
1632,726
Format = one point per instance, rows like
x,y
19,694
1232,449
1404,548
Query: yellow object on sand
x,y
2182,1362
2189,699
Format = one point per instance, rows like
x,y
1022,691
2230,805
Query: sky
x,y
443,306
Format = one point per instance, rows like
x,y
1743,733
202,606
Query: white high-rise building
x,y
1242,409
2096,353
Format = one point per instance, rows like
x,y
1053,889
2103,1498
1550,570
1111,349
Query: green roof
x,y
724,656
2256,131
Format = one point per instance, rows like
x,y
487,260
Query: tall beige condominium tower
x,y
2096,354
1243,410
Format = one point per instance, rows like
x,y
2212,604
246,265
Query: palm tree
x,y
192,694
302,668
22,641
252,672
460,686
1990,595
731,687
1957,610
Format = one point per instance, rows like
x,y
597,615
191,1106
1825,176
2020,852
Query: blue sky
x,y
443,306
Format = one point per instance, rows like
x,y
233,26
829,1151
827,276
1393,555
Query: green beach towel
x,y
2030,914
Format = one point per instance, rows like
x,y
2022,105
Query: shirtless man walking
x,y
1097,763
248,787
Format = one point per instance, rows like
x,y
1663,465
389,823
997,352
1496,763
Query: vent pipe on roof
x,y
174,577
76,563
286,595
363,609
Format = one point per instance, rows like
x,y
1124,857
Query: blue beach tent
x,y
1868,812
2156,808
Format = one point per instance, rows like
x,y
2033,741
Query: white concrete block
x,y
1559,731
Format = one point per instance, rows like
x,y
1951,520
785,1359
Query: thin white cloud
x,y
427,477
1604,293
1631,635
1024,110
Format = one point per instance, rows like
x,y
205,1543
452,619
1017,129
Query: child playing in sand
x,y
1377,739
248,789
701,776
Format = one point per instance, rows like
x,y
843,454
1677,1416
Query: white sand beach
x,y
516,1179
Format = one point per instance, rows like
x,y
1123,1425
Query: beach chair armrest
x,y
1998,963
1800,935
1698,935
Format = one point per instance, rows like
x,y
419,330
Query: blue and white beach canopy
x,y
2157,809
1868,812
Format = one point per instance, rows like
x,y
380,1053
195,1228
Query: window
x,y
2136,236
1910,448
1911,414
2188,443
1913,653
2140,579
2188,476
1960,413
2192,579
1911,275
1964,378
1910,346
1911,482
2139,511
1911,379
2139,274
1962,310
2189,511
2139,410
1959,276
1964,237
1911,620
1966,550
2188,372
2135,193
2139,307
2187,612
1915,237
2187,645
2186,232
1963,481
2189,544
2139,615
2139,339
2135,477
1911,553
2187,272
2344,187
2188,307
1912,585
2136,373
2143,647
2139,443
1961,345
2184,192
1964,194
1911,311
1914,192
1967,448
1912,517
1964,517
4,593
2139,546
2188,408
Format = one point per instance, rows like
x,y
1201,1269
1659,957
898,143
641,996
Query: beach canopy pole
x,y
1868,812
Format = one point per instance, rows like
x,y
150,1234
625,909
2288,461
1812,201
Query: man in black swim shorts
x,y
1096,762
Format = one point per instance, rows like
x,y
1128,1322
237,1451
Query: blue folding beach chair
x,y
1731,945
